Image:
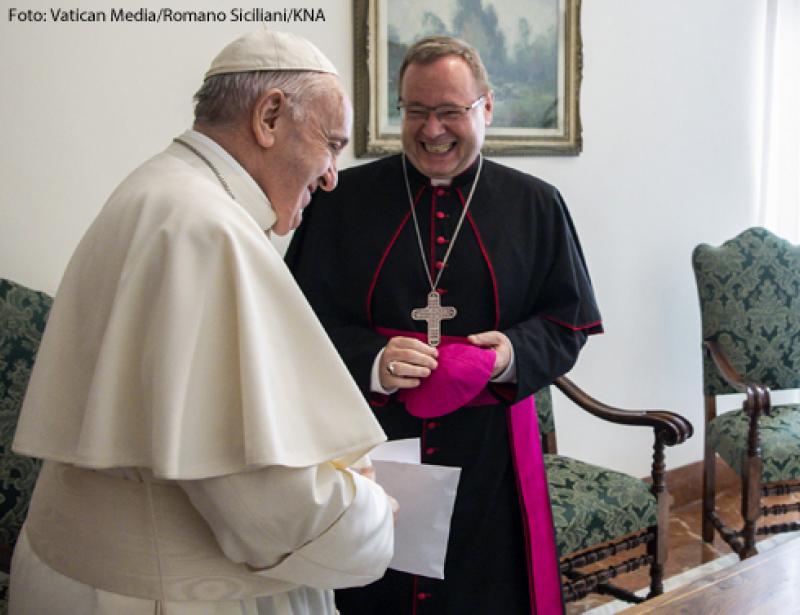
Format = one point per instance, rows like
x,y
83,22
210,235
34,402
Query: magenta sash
x,y
544,579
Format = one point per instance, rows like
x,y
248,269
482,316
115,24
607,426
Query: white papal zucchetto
x,y
270,50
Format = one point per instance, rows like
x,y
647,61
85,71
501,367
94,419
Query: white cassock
x,y
191,466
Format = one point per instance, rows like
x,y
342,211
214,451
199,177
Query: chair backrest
x,y
23,313
749,290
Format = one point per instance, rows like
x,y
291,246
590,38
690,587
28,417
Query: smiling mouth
x,y
441,148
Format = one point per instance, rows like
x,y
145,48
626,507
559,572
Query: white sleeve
x,y
318,526
510,372
375,379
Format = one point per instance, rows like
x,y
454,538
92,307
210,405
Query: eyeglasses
x,y
443,113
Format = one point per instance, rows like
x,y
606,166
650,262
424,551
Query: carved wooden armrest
x,y
670,426
757,399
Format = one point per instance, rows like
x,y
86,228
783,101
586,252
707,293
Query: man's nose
x,y
433,126
329,179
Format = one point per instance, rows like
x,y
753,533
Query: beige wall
x,y
668,104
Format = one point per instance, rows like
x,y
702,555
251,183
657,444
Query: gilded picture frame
x,y
532,50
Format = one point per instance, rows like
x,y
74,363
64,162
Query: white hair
x,y
226,98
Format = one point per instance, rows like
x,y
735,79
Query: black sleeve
x,y
565,312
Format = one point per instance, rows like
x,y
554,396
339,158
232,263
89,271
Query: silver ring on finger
x,y
390,368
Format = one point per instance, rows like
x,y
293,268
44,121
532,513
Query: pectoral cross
x,y
434,313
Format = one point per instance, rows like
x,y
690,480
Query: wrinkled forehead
x,y
339,105
332,108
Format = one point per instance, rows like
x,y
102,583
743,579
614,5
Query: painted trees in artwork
x,y
523,74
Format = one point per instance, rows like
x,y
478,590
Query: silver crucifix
x,y
434,313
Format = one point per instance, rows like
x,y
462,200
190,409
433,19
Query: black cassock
x,y
516,266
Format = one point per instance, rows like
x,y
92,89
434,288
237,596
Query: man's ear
x,y
269,108
488,107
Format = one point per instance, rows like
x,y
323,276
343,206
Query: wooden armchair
x,y
22,318
599,513
749,291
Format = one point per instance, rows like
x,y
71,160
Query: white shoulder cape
x,y
179,341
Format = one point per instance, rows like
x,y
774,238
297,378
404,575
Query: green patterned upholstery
x,y
780,441
599,513
22,318
592,505
749,291
544,411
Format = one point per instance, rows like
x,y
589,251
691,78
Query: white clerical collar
x,y
441,182
246,191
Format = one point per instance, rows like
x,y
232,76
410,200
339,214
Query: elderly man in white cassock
x,y
198,428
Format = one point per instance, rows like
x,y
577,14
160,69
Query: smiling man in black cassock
x,y
418,265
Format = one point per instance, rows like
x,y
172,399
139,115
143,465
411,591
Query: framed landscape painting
x,y
531,50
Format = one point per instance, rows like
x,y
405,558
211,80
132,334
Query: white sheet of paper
x,y
397,450
426,494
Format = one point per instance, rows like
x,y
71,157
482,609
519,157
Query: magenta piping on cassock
x,y
432,241
385,255
596,325
486,258
481,246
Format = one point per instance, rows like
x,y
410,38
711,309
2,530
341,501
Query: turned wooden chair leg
x,y
709,493
751,504
657,547
549,443
709,474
